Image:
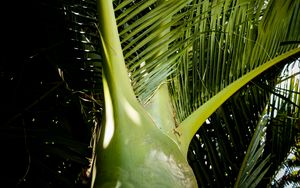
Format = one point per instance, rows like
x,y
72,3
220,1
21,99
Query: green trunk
x,y
131,151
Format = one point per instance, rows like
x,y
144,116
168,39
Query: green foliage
x,y
198,48
194,49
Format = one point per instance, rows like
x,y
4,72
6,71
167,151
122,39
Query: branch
x,y
192,123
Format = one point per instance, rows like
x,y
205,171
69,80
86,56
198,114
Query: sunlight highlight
x,y
109,128
132,113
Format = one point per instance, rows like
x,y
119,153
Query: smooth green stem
x,y
131,151
191,124
161,110
114,66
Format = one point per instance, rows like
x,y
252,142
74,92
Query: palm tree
x,y
193,93
172,66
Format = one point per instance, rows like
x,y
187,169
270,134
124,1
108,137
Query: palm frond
x,y
199,48
206,45
238,37
146,34
231,128
218,148
84,72
254,167
282,129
